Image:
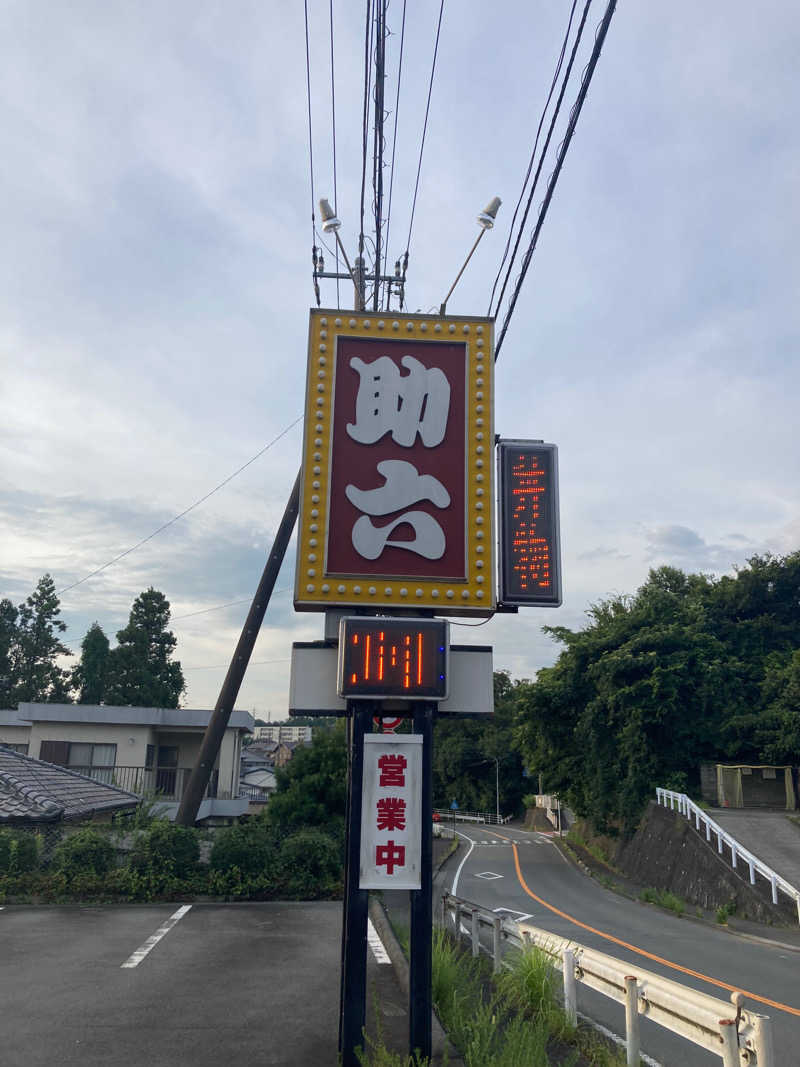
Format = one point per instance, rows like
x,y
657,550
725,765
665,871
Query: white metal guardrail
x,y
449,815
732,1032
687,807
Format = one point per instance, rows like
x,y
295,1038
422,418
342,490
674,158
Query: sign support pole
x,y
353,1001
419,994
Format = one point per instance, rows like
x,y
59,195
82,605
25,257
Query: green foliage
x,y
251,847
310,864
464,754
664,899
19,852
140,670
166,847
689,669
724,912
89,677
29,647
312,787
84,851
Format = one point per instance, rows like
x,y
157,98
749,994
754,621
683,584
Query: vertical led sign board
x,y
530,551
396,507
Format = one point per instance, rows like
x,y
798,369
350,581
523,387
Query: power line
x,y
186,511
220,607
311,154
562,151
333,120
220,666
543,155
377,156
365,123
394,147
533,152
422,141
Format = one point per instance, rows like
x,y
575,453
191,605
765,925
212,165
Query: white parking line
x,y
375,943
140,953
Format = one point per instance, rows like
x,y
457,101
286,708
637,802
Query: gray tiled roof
x,y
34,791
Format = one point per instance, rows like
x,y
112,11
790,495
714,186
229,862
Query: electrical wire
x,y
311,151
388,292
221,666
186,511
543,154
333,120
365,122
553,83
574,115
378,146
422,141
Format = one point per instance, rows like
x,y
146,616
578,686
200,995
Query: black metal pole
x,y
353,1003
218,723
419,992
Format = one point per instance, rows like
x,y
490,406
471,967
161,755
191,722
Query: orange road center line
x,y
640,951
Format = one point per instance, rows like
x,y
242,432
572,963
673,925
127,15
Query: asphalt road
x,y
485,873
227,983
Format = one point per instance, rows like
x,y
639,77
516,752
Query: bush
x,y
310,864
166,847
250,846
19,852
83,852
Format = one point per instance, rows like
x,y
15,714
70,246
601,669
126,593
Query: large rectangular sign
x,y
530,551
388,657
391,817
396,503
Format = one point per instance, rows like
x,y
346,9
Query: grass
x,y
665,899
575,839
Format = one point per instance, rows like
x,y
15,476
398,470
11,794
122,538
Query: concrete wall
x,y
131,741
666,852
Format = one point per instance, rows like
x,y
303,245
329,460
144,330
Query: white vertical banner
x,y
391,819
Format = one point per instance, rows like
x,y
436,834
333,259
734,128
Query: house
x,y
33,792
286,750
146,751
283,732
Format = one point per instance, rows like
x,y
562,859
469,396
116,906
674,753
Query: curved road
x,y
525,874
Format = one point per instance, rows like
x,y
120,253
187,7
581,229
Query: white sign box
x,y
391,819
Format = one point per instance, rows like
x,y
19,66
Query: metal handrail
x,y
724,1028
687,807
471,816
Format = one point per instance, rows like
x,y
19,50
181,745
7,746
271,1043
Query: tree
x,y
37,676
312,787
9,650
89,677
140,670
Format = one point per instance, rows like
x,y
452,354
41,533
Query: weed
x,y
665,899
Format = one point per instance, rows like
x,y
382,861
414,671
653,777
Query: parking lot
x,y
159,985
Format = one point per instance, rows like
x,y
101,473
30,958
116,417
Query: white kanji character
x,y
406,404
404,485
429,540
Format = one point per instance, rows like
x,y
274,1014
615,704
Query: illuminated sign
x,y
391,812
393,657
396,501
530,563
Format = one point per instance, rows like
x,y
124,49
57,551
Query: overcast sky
x,y
155,284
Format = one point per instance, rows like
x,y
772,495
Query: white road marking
x,y
375,943
517,916
617,1039
151,942
454,887
489,876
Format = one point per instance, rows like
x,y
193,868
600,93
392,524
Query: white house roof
x,y
109,714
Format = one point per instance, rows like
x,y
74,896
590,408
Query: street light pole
x,y
497,788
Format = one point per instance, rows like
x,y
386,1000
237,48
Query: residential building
x,y
143,750
283,732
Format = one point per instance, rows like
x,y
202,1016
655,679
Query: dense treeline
x,y
138,671
690,668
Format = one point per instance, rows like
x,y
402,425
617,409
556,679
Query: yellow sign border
x,y
476,594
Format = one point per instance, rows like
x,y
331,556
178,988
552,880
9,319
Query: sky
x,y
155,281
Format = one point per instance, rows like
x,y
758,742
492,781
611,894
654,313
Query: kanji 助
x,y
403,404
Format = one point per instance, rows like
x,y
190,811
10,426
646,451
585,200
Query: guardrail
x,y
448,815
702,1019
687,807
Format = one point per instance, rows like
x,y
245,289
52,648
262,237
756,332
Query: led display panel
x,y
391,657
530,552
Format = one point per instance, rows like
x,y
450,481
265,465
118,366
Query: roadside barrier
x,y
448,815
729,1030
685,806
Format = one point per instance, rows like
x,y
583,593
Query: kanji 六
x,y
391,813
392,770
390,856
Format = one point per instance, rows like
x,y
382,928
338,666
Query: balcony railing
x,y
168,783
